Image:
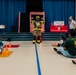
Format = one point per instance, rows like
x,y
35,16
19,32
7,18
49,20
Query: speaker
x,y
8,39
13,28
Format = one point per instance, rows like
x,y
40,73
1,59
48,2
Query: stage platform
x,y
26,36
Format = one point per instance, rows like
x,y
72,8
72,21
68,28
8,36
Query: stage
x,y
27,36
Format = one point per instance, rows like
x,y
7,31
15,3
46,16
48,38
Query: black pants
x,y
73,30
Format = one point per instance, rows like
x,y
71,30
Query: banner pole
x,y
19,22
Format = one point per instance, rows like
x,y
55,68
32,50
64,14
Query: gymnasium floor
x,y
38,59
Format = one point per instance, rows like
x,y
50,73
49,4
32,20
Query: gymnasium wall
x,y
54,10
57,10
9,12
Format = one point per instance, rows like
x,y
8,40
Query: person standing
x,y
72,24
37,29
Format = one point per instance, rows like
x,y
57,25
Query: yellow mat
x,y
6,53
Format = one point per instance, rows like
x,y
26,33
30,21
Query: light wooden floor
x,y
23,61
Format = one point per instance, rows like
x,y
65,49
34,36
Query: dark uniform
x,y
70,45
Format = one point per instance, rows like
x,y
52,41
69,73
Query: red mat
x,y
12,46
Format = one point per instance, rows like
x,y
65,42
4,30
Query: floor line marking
x,y
38,63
